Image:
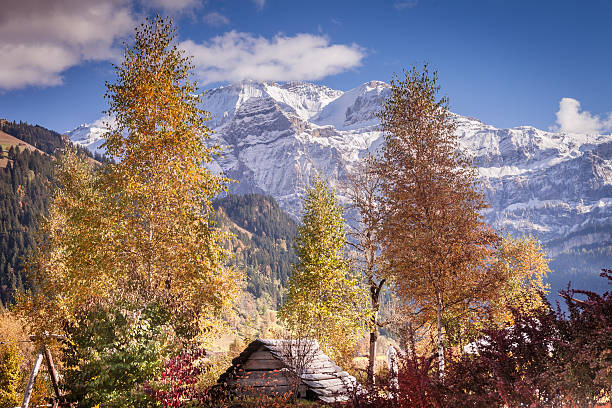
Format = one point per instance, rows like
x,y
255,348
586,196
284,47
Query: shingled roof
x,y
320,378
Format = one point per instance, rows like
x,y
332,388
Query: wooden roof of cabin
x,y
321,376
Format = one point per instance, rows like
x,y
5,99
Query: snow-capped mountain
x,y
555,186
91,135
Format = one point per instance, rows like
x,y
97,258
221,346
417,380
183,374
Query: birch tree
x,y
324,300
363,190
139,228
432,228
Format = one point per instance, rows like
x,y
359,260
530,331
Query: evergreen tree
x,y
25,185
325,301
261,242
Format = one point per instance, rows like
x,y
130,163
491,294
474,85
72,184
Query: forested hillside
x,y
44,139
26,181
262,242
25,185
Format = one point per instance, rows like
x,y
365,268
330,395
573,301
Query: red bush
x,y
177,383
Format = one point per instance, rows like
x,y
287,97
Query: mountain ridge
x,y
278,136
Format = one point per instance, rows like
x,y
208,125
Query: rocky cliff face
x,y
553,185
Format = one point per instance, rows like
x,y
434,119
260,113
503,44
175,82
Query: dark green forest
x,y
25,185
262,242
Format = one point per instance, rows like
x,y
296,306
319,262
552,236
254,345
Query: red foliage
x,y
546,359
415,388
177,383
514,366
586,350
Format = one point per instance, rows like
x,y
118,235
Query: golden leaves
x,y
140,228
521,265
324,300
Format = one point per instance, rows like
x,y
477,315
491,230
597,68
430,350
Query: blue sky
x,y
508,63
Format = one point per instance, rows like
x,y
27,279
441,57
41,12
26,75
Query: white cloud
x,y
260,3
235,56
215,19
571,119
40,39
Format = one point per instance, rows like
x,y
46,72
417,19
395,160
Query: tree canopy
x,y
140,228
324,300
433,233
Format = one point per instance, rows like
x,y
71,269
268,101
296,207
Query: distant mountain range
x,y
555,186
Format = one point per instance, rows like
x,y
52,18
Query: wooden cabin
x,y
277,367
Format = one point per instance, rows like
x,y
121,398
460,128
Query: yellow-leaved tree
x,y
139,229
519,266
522,265
325,300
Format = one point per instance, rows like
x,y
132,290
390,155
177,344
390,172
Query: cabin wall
x,y
264,374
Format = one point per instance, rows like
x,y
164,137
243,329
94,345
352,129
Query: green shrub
x,y
112,351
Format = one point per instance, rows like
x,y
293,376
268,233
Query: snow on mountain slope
x,y
302,99
547,184
278,136
354,109
91,135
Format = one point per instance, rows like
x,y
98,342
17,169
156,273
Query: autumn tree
x,y
139,229
522,265
433,232
519,265
160,187
70,265
324,300
363,191
9,374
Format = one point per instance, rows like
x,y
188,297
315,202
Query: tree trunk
x,y
372,356
440,337
52,373
30,386
374,296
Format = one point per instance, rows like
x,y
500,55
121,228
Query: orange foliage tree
x,y
433,235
